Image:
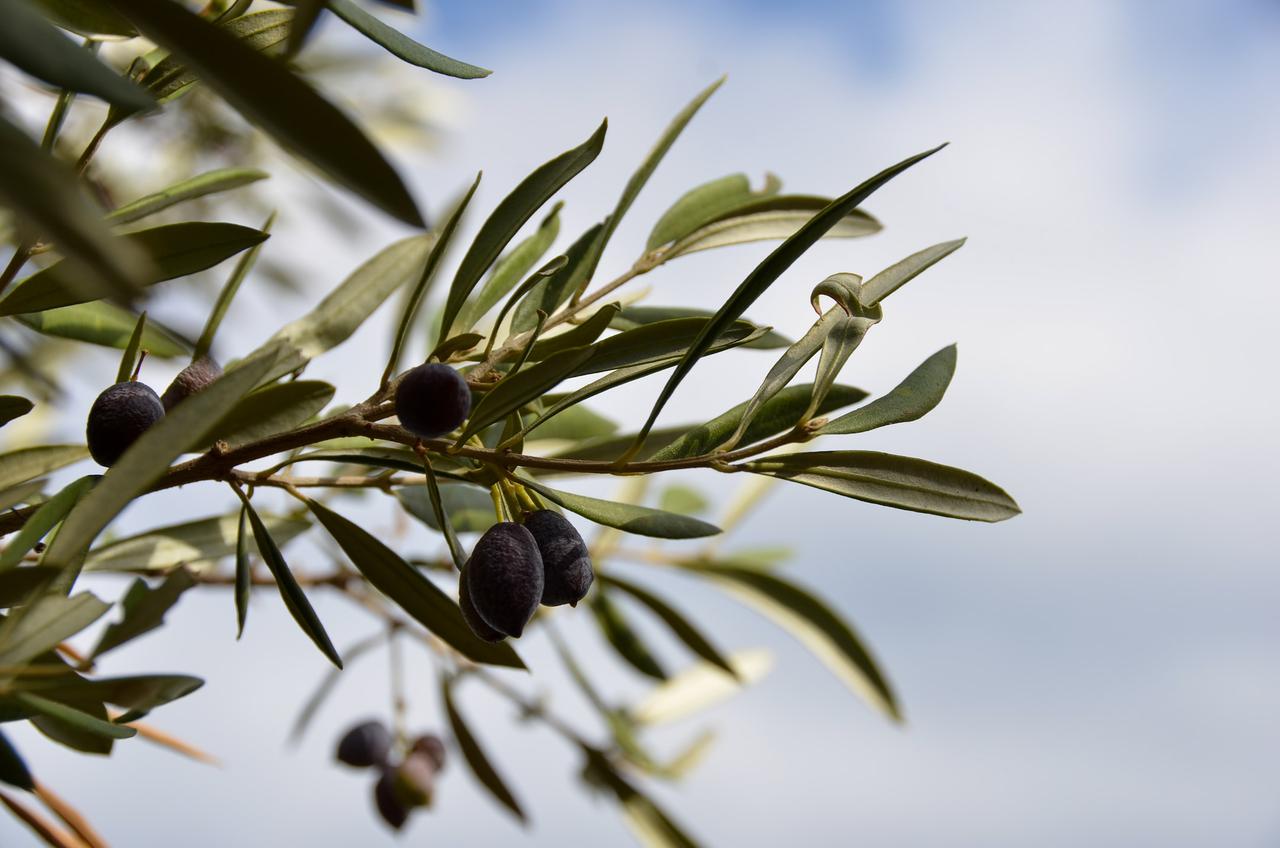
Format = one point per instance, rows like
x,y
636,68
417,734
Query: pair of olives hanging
x,y
515,567
405,783
124,411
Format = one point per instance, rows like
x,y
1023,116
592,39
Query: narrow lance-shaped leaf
x,y
77,719
103,323
414,302
700,687
901,482
192,544
44,519
475,756
13,770
408,587
295,600
401,46
144,610
138,693
228,292
49,199
509,270
86,17
443,521
510,215
13,406
630,518
683,629
176,250
811,621
582,335
518,389
899,274
839,345
144,462
43,624
623,637
130,357
652,827
635,316
244,572
344,309
768,219
30,43
705,203
651,342
767,272
913,398
268,94
271,409
781,412
23,464
202,185
583,273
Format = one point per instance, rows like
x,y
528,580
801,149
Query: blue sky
x,y
1100,670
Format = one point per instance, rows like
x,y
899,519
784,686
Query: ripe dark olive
x,y
416,780
387,800
564,558
432,746
190,380
367,744
432,400
471,617
120,415
505,578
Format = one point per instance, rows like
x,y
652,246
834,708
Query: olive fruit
x,y
430,745
432,400
415,780
471,617
565,559
195,377
504,577
387,800
121,414
367,744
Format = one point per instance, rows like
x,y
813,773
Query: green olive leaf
x,y
901,482
202,185
479,763
510,215
400,45
911,399
630,518
175,250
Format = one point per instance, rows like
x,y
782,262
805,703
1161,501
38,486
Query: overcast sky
x,y
1101,670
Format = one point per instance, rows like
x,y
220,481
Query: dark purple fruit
x,y
120,415
432,400
505,578
432,746
387,800
565,559
367,744
470,616
415,780
195,377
